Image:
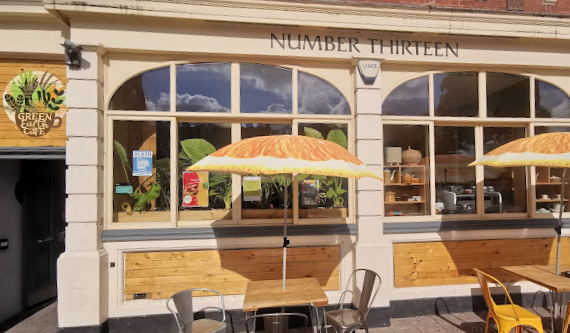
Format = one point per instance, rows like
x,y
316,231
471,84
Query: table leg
x,y
316,319
251,314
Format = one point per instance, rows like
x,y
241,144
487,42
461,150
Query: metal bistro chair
x,y
275,322
347,320
184,314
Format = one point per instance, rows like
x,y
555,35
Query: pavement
x,y
45,321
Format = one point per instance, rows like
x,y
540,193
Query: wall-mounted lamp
x,y
72,54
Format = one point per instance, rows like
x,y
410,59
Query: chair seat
x,y
344,318
522,313
207,326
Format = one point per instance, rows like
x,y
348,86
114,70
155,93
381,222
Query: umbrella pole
x,y
559,226
285,240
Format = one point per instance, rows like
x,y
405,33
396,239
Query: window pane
x,y
149,91
550,101
549,181
507,95
203,87
505,188
456,94
141,171
454,179
203,195
264,195
265,89
320,196
406,170
316,96
409,99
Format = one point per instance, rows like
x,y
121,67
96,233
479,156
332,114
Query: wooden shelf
x,y
404,202
420,166
550,200
403,184
542,183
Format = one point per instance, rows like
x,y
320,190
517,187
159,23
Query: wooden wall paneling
x,y
444,263
161,274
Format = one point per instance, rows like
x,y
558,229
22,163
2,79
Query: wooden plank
x,y
268,294
442,263
159,274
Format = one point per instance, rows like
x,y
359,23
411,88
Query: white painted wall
x,y
10,228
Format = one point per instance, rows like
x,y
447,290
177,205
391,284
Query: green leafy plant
x,y
219,184
333,188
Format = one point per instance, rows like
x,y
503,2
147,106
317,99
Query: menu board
x,y
194,189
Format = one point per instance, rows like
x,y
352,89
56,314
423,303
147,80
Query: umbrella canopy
x,y
284,154
544,150
548,150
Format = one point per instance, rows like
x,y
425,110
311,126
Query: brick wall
x,y
560,7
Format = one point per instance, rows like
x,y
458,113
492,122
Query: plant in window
x,y
333,188
220,185
154,190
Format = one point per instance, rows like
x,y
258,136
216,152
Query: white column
x,y
371,252
83,268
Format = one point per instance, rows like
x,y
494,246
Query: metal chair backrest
x,y
484,280
368,291
276,322
184,313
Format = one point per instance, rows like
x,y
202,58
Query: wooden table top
x,y
543,275
270,293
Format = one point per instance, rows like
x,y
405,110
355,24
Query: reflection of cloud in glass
x,y
199,103
271,79
161,104
410,98
317,96
554,100
222,69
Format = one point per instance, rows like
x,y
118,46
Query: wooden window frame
x,y
236,119
478,123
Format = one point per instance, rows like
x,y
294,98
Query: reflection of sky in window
x,y
253,130
156,87
203,87
409,99
551,102
265,89
317,96
456,94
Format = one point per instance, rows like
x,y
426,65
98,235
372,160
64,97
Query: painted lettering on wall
x,y
369,45
34,101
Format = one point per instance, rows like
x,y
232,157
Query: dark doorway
x,y
42,193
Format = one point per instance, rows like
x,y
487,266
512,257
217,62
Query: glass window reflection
x,y
408,99
505,188
550,101
203,87
317,96
148,91
456,94
454,179
265,89
508,95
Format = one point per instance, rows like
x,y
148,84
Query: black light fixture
x,y
72,54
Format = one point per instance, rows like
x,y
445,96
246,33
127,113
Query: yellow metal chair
x,y
507,316
566,318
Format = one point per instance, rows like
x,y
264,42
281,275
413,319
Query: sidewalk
x,y
45,321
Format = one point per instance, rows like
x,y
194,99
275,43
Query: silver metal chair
x,y
275,322
347,320
184,314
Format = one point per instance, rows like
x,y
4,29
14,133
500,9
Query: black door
x,y
42,190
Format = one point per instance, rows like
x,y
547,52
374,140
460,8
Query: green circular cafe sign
x,y
35,102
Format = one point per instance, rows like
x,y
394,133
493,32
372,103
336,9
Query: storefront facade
x,y
416,95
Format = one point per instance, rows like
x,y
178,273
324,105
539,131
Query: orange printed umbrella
x,y
284,154
546,150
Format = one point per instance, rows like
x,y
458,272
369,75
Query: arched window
x,y
202,114
464,125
